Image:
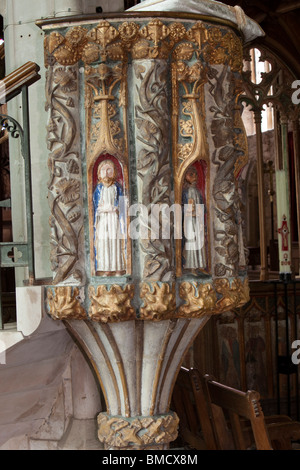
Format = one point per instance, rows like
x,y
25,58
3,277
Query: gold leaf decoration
x,y
111,303
199,300
177,31
103,34
90,53
198,34
55,40
159,301
67,55
151,40
184,51
212,299
156,31
76,35
128,31
64,303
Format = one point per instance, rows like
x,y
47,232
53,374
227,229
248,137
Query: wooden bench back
x,y
190,405
212,415
229,409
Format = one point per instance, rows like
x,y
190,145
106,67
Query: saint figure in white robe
x,y
109,222
194,249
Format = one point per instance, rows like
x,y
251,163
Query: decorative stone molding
x,y
64,303
65,183
221,13
212,299
234,294
154,40
200,299
142,432
159,301
111,303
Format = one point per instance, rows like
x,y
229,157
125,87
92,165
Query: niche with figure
x,y
109,217
195,219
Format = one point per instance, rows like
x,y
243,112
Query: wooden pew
x,y
214,416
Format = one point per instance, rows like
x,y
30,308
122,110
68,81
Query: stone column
x,y
68,7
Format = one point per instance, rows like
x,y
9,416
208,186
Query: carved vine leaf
x,y
225,190
65,79
111,303
199,300
64,303
72,165
215,298
159,301
153,163
64,190
68,190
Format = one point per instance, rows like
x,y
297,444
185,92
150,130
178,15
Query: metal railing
x,y
19,254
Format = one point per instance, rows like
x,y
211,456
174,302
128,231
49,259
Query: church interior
x,y
248,347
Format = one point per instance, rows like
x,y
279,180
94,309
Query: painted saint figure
x,y
194,250
109,222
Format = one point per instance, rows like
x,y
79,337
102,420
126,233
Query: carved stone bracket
x,y
153,432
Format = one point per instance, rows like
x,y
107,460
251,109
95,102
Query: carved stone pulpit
x,y
146,145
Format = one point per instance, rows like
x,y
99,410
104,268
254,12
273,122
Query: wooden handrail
x,y
12,84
